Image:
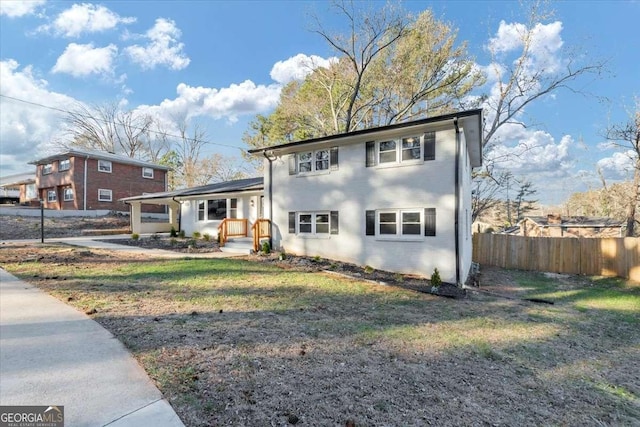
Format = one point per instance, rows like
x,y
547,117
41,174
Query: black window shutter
x,y
370,223
334,222
371,153
292,164
334,158
430,146
430,222
292,222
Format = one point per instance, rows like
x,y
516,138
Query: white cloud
x,y
228,103
85,18
163,48
27,129
83,59
619,166
18,8
298,67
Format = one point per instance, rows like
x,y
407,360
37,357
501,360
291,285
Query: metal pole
x,y
41,221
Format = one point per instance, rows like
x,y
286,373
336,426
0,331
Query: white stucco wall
x,y
354,189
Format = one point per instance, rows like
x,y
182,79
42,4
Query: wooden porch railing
x,y
232,227
261,229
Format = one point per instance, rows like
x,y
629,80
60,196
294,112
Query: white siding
x,y
354,189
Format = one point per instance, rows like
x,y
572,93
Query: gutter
x,y
456,226
270,159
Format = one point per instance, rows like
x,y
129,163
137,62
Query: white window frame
x,y
103,192
47,168
67,194
399,151
66,163
146,174
105,166
202,205
52,196
314,217
399,215
314,160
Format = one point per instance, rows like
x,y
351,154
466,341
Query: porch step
x,y
241,245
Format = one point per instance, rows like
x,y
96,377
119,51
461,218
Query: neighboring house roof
x,y
95,154
470,121
235,186
577,221
18,179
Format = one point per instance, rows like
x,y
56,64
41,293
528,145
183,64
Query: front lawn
x,y
247,343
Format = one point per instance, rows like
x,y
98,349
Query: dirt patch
x,y
27,227
175,244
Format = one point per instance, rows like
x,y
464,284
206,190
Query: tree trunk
x,y
631,210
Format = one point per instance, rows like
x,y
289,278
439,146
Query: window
x,y
233,208
313,161
401,223
211,210
47,169
52,196
410,149
64,165
147,173
104,166
68,194
104,195
313,223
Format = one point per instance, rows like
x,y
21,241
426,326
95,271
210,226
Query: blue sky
x,y
222,62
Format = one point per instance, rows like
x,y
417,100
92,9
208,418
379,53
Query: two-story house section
x,y
79,179
396,198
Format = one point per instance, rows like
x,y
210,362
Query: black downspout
x,y
270,198
457,206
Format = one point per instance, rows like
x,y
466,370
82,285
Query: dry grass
x,y
246,343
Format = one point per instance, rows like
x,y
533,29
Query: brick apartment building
x,y
96,180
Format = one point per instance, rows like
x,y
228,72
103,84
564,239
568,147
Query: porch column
x,y
136,217
174,211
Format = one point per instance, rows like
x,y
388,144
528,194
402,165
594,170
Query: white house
x,y
395,198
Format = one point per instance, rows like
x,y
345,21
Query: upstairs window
x,y
64,165
104,166
409,149
308,162
47,169
147,173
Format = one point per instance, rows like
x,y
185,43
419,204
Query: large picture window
x,y
212,210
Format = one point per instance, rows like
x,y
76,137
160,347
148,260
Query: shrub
x,y
135,236
206,237
155,236
266,248
173,241
173,232
181,234
368,269
192,243
283,255
196,235
436,281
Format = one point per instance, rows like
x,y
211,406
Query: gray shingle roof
x,y
96,154
234,186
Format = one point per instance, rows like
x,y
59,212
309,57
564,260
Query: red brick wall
x,y
123,181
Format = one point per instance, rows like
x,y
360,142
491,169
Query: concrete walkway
x,y
52,354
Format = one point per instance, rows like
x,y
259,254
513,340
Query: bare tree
x,y
626,136
107,128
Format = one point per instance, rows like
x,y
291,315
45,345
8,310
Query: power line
x,y
61,110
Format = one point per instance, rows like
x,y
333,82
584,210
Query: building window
x,y
68,194
47,169
233,208
401,223
147,173
313,161
212,210
52,196
64,165
104,195
104,166
410,149
313,223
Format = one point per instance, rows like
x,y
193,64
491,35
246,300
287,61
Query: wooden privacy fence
x,y
590,256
